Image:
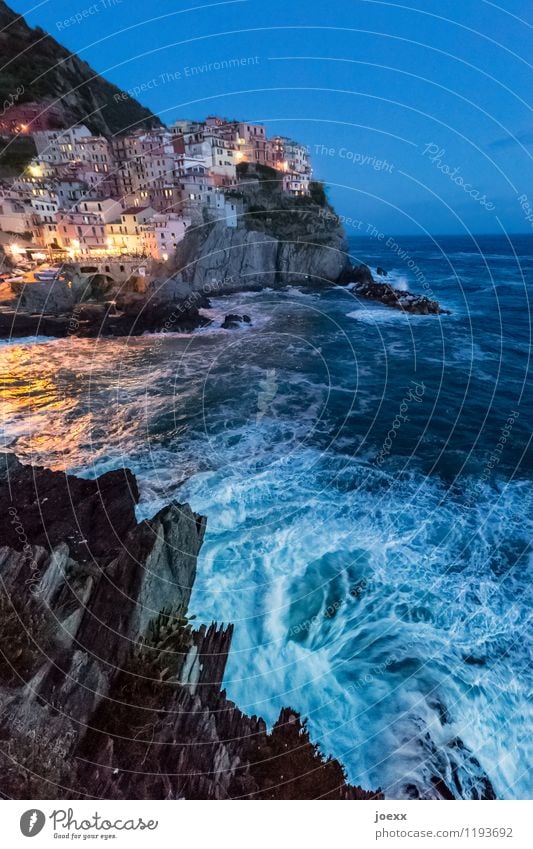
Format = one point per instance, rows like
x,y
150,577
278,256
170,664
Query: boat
x,y
47,275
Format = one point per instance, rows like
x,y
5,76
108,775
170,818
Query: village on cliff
x,y
84,197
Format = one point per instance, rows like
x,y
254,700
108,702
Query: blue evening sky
x,y
368,85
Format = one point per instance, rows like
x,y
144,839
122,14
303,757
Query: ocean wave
x,y
385,315
387,613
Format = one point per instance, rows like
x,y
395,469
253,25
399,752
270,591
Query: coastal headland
x,y
276,241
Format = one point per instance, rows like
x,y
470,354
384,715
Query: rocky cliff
x,y
279,240
106,689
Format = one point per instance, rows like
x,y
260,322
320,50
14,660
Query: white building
x,y
222,208
108,209
16,213
45,205
295,184
70,191
58,146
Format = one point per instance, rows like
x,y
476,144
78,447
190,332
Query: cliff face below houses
x,y
279,240
235,259
106,689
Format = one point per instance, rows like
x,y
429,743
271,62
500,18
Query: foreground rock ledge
x,y
106,690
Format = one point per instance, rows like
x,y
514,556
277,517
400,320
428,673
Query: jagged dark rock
x,y
91,517
17,324
106,689
233,320
93,320
361,281
356,274
458,773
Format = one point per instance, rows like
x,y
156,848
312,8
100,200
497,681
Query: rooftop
x,y
134,210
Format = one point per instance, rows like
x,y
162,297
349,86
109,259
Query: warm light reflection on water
x,y
29,387
51,408
90,405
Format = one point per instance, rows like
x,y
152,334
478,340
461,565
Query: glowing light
x,y
16,250
165,257
36,171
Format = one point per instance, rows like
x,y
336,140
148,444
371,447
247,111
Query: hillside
x,y
34,61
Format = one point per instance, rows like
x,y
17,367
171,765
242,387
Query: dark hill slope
x,y
33,60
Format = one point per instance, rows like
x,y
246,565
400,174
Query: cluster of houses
x,y
136,194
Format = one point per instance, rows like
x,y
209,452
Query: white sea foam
x,y
384,315
283,550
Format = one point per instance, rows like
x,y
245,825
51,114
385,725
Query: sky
x,y
417,114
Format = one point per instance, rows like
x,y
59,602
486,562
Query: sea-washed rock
x,y
94,320
356,274
362,283
234,320
106,689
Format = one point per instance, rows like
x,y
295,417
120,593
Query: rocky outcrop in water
x,y
106,689
233,320
361,281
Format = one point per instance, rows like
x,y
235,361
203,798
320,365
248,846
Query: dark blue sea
x,y
367,478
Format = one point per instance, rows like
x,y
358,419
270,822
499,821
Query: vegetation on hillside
x,y
271,210
15,155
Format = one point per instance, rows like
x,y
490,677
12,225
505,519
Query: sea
x,y
367,481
